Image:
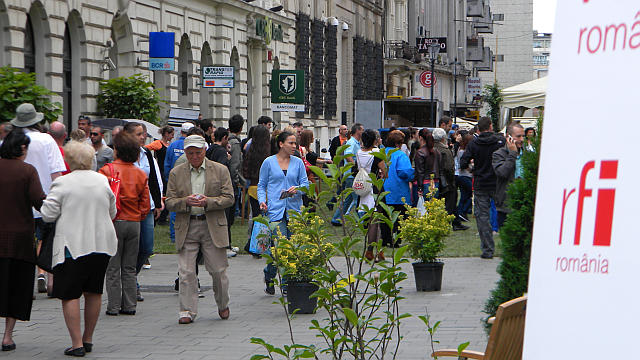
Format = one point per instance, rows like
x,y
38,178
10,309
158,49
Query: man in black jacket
x,y
339,140
481,150
507,166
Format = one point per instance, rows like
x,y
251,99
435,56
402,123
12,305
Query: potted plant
x,y
424,235
299,258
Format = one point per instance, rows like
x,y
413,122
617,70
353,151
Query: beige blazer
x,y
219,193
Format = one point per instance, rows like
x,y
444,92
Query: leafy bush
x,y
424,234
360,298
492,95
516,233
131,97
17,87
307,249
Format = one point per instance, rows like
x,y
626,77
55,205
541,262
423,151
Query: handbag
x,y
114,184
260,239
45,257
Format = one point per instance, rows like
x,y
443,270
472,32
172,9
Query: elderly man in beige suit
x,y
199,191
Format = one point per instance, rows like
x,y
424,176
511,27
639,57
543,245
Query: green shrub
x,y
492,95
131,97
18,87
516,233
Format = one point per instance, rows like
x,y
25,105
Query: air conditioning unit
x,y
487,61
475,8
475,48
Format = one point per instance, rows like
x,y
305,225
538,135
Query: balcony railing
x,y
400,49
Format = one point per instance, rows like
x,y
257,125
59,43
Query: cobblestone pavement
x,y
154,332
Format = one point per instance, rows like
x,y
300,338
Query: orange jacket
x,y
134,191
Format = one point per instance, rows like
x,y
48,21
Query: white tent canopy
x,y
530,94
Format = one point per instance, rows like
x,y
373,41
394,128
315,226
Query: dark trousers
x,y
386,232
466,192
450,200
483,220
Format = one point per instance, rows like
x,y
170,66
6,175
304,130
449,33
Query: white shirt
x,y
44,154
143,164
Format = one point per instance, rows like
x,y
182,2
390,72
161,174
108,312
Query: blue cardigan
x,y
273,181
399,175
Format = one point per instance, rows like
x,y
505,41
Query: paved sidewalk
x,y
154,333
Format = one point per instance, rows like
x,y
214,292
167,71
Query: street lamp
x,y
434,49
455,89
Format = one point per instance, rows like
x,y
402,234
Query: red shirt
x,y
65,162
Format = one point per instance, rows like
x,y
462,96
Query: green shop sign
x,y
287,87
266,29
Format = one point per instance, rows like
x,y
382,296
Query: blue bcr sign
x,y
161,51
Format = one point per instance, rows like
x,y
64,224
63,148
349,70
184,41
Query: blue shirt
x,y
174,151
399,175
519,168
354,147
273,181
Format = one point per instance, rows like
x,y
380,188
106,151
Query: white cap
x,y
195,141
186,126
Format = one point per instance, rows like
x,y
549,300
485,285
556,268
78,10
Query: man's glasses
x,y
94,134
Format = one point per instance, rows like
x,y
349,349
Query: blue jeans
x,y
494,217
346,205
464,205
270,271
172,229
146,241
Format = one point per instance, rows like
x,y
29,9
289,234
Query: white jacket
x,y
83,205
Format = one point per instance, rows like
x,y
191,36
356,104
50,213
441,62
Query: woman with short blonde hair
x,y
78,155
82,205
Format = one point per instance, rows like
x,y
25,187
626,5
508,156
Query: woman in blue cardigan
x,y
397,183
281,177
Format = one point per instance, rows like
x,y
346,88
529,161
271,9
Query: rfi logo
x,y
604,206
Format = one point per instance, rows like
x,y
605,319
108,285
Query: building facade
x,y
72,45
462,24
541,53
510,42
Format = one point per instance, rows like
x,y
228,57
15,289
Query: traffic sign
x,y
426,79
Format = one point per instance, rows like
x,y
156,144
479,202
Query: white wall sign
x,y
583,282
287,107
217,77
474,86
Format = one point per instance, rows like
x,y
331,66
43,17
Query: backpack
x,y
362,183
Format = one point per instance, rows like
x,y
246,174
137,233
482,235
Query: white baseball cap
x,y
186,126
195,141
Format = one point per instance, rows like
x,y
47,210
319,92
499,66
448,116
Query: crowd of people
x,y
95,204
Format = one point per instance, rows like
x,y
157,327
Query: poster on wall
x,y
584,270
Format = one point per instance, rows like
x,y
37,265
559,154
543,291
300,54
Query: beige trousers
x,y
215,261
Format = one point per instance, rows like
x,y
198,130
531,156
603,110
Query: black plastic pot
x,y
298,296
428,276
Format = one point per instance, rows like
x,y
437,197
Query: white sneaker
x,y
146,266
231,253
200,294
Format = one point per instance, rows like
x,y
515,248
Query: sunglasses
x,y
94,134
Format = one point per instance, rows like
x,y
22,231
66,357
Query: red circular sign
x,y
426,79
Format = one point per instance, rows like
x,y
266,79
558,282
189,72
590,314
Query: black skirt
x,y
16,288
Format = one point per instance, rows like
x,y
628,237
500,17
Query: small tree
x,y
516,233
17,87
133,97
492,95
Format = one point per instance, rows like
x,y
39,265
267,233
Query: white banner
x,y
583,281
287,107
